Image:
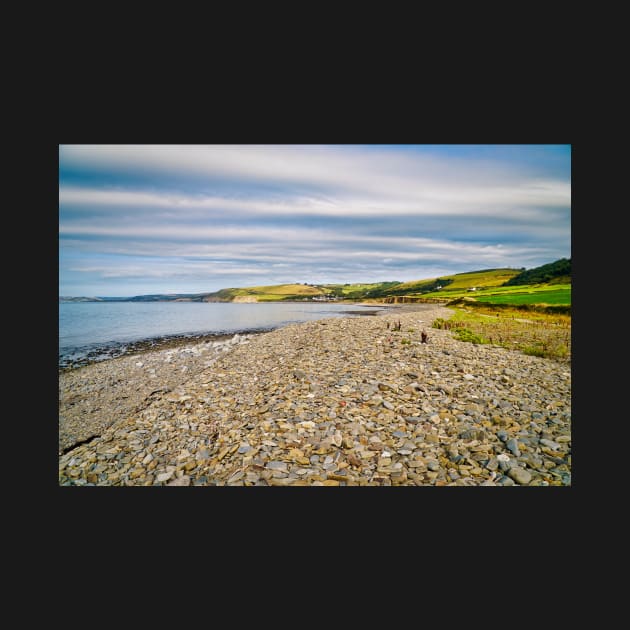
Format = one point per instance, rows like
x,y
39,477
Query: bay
x,y
93,331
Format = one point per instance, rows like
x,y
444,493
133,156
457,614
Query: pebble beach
x,y
333,402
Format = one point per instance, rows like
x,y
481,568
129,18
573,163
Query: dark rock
x,y
473,434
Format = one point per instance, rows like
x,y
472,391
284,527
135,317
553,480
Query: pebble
x,y
520,475
327,403
180,481
506,481
512,446
550,444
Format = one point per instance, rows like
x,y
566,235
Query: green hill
x,y
445,287
549,284
272,293
560,269
501,287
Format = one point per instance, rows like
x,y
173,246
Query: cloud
x,y
385,174
287,211
415,200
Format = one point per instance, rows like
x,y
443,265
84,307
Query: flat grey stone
x,y
275,465
520,475
512,446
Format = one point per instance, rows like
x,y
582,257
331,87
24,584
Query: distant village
x,y
321,298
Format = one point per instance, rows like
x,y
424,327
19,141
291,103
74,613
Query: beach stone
x,y
236,477
550,444
301,405
492,464
416,463
512,446
520,475
180,481
277,465
506,481
473,434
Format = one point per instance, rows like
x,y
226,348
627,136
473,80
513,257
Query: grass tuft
x,y
534,333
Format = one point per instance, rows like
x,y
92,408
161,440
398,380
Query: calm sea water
x,y
102,330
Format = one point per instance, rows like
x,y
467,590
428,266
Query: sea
x,y
95,331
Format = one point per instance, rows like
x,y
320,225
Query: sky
x,y
145,219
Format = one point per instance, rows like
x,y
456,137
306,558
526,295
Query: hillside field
x,y
545,293
271,293
486,286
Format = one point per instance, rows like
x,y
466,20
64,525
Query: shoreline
x,y
337,401
108,351
153,344
118,386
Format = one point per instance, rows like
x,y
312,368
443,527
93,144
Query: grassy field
x,y
483,286
518,294
550,296
489,278
535,333
279,292
455,284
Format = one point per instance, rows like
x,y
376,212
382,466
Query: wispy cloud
x,y
425,200
292,212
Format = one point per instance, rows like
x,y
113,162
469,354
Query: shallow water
x,y
103,330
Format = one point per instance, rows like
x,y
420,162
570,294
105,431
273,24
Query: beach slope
x,y
340,401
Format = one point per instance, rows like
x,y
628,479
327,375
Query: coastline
x,y
153,344
337,401
113,350
93,393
